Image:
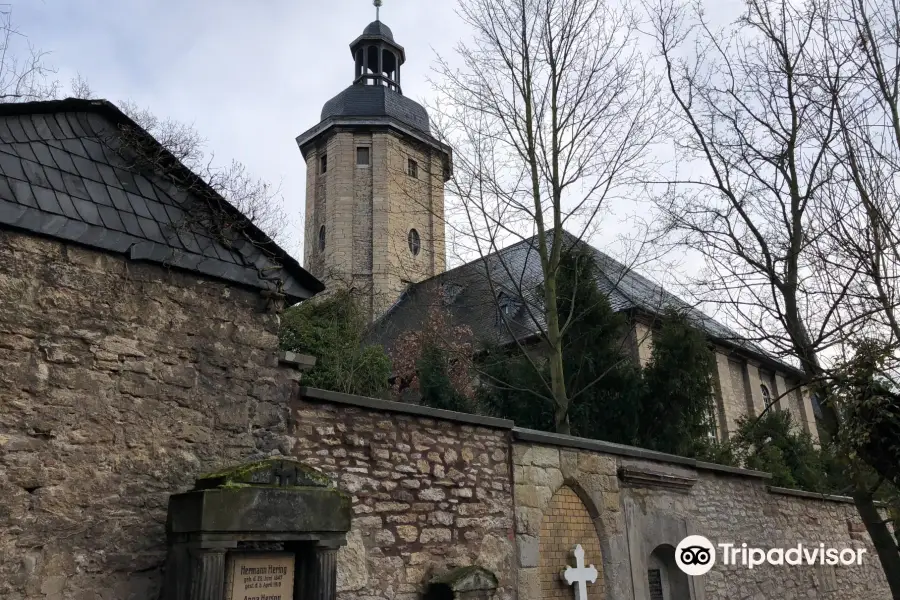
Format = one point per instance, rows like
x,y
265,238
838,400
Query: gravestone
x,y
267,530
463,583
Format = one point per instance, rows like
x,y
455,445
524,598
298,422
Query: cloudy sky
x,y
250,76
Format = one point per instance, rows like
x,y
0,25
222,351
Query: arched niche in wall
x,y
567,522
665,580
652,537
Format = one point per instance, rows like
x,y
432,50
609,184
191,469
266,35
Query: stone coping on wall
x,y
568,441
403,408
300,362
813,495
707,466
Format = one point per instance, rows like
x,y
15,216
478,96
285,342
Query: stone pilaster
x,y
321,575
753,381
806,411
208,581
729,406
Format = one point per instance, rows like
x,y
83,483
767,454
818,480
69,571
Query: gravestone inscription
x,y
261,577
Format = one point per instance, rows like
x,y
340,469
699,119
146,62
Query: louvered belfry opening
x,y
378,57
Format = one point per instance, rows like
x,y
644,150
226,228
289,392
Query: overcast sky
x,y
250,76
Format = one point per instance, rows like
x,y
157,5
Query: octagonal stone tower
x,y
375,182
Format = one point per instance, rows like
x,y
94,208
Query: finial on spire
x,y
377,4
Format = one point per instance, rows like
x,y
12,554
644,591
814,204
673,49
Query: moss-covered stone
x,y
467,579
270,472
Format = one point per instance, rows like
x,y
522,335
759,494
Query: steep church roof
x,y
63,174
473,299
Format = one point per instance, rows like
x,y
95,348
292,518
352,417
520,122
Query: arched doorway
x,y
567,522
665,579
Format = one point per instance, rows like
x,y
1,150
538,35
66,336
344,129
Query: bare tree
x,y
794,254
25,75
24,72
550,118
260,202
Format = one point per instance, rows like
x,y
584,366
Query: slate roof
x,y
377,28
468,295
60,177
361,100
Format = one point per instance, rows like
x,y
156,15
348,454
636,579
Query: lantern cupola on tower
x,y
378,57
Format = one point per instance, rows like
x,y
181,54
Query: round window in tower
x,y
321,238
415,244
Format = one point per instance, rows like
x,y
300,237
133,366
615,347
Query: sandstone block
x,y
589,462
541,456
352,569
408,533
368,523
384,538
433,494
530,584
532,496
528,520
391,506
435,535
550,477
529,550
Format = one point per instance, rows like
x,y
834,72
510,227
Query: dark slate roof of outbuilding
x,y
360,100
60,177
469,296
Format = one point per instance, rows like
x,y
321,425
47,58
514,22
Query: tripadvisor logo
x,y
696,555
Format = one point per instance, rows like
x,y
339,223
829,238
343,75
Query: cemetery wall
x,y
643,503
429,494
119,384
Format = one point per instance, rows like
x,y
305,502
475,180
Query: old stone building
x,y
137,347
495,299
138,351
374,182
375,223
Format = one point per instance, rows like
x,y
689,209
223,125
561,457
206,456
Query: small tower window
x,y
362,156
323,164
412,168
415,244
321,238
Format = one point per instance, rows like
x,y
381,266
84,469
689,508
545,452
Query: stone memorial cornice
x,y
272,495
641,477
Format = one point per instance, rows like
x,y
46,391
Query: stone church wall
x,y
119,383
429,494
643,502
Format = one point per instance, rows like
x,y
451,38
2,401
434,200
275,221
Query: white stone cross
x,y
580,574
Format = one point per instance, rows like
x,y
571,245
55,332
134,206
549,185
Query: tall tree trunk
x,y
885,545
557,374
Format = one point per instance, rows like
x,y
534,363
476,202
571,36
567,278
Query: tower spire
x,y
377,4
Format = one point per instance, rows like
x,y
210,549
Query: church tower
x,y
374,182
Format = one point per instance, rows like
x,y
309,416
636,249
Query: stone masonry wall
x,y
119,383
429,495
642,500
